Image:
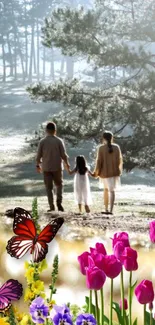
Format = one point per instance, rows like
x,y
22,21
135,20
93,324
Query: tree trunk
x,y
31,54
26,43
15,55
38,51
62,66
4,62
21,58
34,61
95,75
10,56
70,66
44,62
52,65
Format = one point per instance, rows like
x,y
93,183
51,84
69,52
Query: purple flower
x,y
86,319
38,310
61,318
59,309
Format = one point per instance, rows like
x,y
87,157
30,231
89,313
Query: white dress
x,y
82,189
110,183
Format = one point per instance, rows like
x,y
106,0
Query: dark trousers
x,y
49,179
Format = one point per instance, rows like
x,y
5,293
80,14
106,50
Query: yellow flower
x,y
4,321
51,304
42,295
17,314
26,265
29,274
25,320
37,287
29,295
42,265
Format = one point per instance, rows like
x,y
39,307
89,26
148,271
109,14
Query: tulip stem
x,y
102,307
145,314
97,308
90,301
122,296
111,301
150,317
130,298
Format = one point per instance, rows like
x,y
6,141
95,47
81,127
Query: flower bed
x,y
95,265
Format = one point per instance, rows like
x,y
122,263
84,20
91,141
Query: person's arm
x,y
38,157
91,174
120,160
71,172
98,163
63,154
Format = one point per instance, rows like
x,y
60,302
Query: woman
x,y
109,168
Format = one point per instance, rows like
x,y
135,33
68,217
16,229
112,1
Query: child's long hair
x,y
108,136
81,167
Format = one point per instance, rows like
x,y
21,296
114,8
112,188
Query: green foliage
x,y
148,319
12,319
35,214
54,276
75,310
117,40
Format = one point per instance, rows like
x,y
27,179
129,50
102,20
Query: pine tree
x,y
117,39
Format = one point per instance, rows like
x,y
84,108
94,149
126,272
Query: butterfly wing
x,y
46,236
11,290
19,214
19,245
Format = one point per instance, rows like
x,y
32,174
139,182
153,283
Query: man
x,y
51,153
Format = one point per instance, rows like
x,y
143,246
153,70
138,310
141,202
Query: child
x,y
108,168
81,183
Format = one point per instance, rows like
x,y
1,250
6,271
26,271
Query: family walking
x,y
51,156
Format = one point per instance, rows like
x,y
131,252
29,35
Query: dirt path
x,y
134,209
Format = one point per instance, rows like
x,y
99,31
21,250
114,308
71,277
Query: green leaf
x,y
92,306
148,319
132,288
135,322
117,309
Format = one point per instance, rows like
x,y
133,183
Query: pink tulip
x,y
122,237
144,292
95,278
99,248
152,231
129,259
125,304
118,249
112,266
98,260
83,262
